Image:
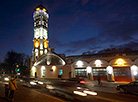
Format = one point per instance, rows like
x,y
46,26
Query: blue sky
x,y
75,26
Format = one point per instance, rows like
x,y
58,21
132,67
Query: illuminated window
x,y
98,63
37,9
45,43
35,24
60,72
43,70
33,70
45,33
36,33
120,62
45,51
53,68
36,43
41,46
79,63
44,9
36,52
39,22
42,22
41,52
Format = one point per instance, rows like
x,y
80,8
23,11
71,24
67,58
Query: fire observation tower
x,y
40,39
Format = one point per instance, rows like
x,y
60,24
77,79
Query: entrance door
x,y
122,74
101,71
80,72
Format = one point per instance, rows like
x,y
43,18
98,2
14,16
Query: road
x,y
44,93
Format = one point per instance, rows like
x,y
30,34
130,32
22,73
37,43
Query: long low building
x,y
110,67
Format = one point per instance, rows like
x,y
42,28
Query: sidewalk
x,y
106,86
28,95
109,84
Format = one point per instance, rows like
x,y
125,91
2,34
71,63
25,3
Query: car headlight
x,y
79,93
6,79
90,92
40,82
32,83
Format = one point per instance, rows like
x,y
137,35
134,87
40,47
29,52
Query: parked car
x,y
132,87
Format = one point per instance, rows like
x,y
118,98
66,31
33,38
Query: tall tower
x,y
40,16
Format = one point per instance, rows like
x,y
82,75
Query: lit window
x,y
45,51
79,63
98,63
41,46
36,52
37,9
39,22
44,9
42,22
35,24
43,70
46,25
60,72
45,43
36,43
120,62
54,68
33,70
41,52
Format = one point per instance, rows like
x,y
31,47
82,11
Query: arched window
x,y
60,72
43,71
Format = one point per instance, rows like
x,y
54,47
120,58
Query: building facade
x,y
110,67
47,64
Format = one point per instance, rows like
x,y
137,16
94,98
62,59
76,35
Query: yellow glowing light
x,y
120,62
44,9
45,43
37,9
36,43
54,68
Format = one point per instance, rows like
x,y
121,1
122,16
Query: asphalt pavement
x,y
24,94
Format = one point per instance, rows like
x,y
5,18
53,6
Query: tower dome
x,y
40,7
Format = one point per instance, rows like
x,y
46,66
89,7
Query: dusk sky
x,y
75,26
